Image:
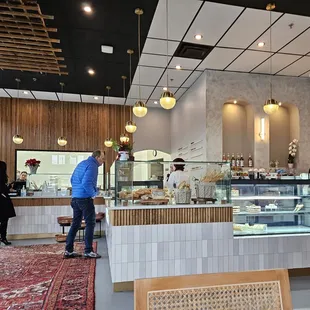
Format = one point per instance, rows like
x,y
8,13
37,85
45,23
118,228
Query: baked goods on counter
x,y
253,209
236,209
271,207
298,207
245,227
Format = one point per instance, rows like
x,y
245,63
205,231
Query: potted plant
x,y
124,150
292,152
33,165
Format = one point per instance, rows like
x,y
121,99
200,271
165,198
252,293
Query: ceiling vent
x,y
191,50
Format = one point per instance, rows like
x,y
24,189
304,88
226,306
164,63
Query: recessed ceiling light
x,y
280,103
87,9
96,98
261,44
198,36
165,88
155,102
91,71
25,92
235,101
178,67
106,49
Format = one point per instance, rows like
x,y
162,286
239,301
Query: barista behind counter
x,y
178,175
16,186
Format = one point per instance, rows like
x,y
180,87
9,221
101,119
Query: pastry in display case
x,y
278,205
135,183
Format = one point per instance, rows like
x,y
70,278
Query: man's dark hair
x,y
179,166
98,153
24,172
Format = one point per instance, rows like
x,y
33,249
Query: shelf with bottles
x,y
237,161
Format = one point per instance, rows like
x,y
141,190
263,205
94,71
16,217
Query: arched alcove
x,y
284,127
238,128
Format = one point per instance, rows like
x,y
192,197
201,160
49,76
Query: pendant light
x,y
271,105
167,99
108,141
139,109
124,137
62,141
17,139
131,126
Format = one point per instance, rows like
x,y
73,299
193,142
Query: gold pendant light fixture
x,y
62,141
17,139
124,137
139,109
167,99
131,126
108,141
271,105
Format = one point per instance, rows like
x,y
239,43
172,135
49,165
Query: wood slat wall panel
x,y
85,127
170,216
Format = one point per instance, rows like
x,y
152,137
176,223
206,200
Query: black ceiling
x,y
112,23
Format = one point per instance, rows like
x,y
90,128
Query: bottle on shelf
x,y
224,158
238,161
228,158
233,160
241,161
23,192
250,161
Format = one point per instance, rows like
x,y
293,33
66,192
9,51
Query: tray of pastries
x,y
253,209
248,227
236,209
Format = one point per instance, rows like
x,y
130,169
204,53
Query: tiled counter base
x,y
34,220
147,251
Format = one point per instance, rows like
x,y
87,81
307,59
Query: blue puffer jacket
x,y
84,179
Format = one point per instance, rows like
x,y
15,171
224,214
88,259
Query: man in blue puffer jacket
x,y
84,191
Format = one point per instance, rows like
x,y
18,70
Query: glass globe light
x,y
131,127
124,138
139,109
18,139
62,141
108,142
271,106
167,100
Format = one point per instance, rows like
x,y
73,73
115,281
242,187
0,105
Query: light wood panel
x,y
170,216
39,122
244,282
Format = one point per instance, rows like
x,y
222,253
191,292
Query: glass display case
x,y
150,182
269,207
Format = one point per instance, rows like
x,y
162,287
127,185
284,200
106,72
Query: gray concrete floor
x,y
106,299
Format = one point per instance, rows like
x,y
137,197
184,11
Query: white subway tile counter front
x,y
159,250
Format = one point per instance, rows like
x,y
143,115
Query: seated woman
x,y
178,175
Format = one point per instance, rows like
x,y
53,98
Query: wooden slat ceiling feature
x,y
25,44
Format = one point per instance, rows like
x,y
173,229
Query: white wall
x,y
188,118
153,131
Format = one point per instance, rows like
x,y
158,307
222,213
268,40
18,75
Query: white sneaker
x,y
92,255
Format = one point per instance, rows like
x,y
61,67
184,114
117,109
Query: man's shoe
x,y
92,255
5,241
73,254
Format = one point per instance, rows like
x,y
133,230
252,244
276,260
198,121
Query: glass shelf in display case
x,y
269,207
137,181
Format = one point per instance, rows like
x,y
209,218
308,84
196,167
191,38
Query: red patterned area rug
x,y
37,277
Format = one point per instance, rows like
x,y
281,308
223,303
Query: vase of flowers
x,y
124,150
292,152
33,165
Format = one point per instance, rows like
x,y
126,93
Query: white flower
x,y
293,154
290,148
291,143
295,140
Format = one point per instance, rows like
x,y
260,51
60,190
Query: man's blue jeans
x,y
82,208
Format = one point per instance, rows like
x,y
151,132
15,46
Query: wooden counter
x,y
47,201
